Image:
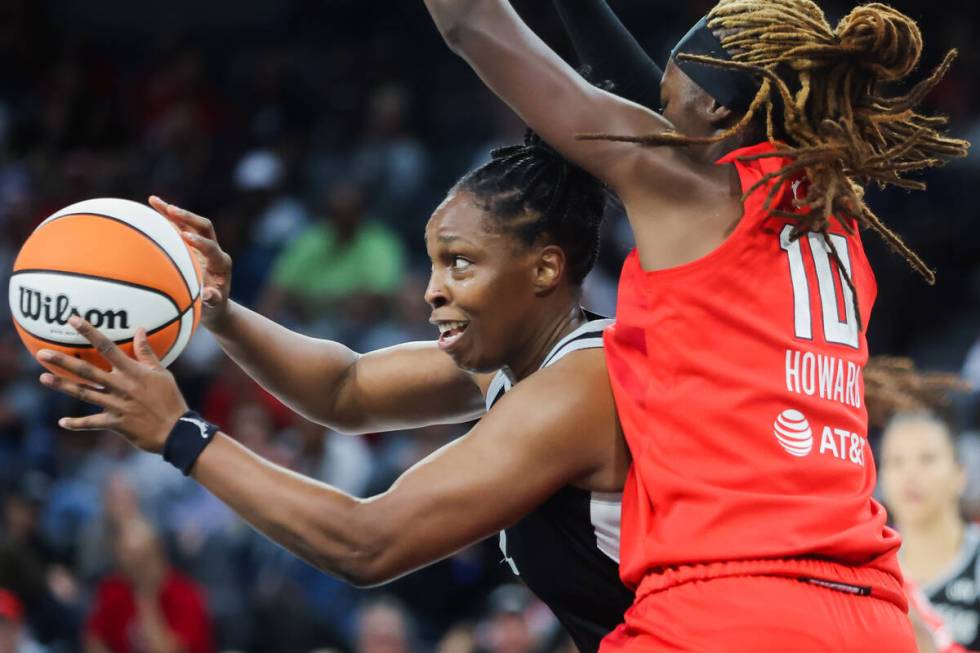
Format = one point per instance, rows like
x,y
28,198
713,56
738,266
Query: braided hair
x,y
824,104
533,192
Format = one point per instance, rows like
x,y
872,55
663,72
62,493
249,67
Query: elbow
x,y
371,558
368,575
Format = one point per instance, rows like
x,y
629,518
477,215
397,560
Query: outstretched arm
x,y
554,428
406,386
553,99
609,51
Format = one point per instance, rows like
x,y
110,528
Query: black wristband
x,y
187,440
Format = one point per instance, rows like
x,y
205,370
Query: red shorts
x,y
760,614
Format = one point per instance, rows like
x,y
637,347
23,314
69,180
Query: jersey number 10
x,y
835,330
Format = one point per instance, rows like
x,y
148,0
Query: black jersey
x,y
954,595
567,550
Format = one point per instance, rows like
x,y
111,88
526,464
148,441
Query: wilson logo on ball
x,y
38,307
793,433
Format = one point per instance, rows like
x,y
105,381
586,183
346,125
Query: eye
x,y
460,263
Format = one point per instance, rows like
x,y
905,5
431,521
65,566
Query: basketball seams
x,y
149,237
183,337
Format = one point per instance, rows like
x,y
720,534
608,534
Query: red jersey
x,y
737,379
113,621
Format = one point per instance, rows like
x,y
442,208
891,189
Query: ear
x,y
548,268
718,115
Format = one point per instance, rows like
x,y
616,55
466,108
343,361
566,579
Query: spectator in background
x,y
272,215
391,162
922,480
461,638
506,629
383,626
120,505
340,274
25,439
32,570
147,606
409,318
13,638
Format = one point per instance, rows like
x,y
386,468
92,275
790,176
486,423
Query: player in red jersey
x,y
748,521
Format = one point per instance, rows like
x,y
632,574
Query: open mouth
x,y
450,332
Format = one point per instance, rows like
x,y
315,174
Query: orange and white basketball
x,y
117,263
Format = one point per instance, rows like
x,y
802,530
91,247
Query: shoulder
x,y
574,390
567,407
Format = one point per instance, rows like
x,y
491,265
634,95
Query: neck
x,y
546,337
713,151
936,540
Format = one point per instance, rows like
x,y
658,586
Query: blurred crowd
x,y
318,136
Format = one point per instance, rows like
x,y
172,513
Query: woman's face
x,y
685,104
481,289
920,476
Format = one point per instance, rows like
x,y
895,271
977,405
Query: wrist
x,y
188,438
219,320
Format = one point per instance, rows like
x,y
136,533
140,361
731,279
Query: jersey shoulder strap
x,y
499,385
587,336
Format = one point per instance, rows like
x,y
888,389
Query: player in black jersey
x,y
509,247
923,480
491,294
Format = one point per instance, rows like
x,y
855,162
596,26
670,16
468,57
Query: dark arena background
x,y
270,117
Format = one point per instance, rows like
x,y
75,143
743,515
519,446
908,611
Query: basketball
x,y
117,263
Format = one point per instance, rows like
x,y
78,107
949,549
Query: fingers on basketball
x,y
144,352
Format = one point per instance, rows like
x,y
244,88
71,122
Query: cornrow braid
x,y
835,123
534,192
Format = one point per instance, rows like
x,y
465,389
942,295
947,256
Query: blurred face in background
x,y
920,475
119,500
344,206
508,633
139,555
382,628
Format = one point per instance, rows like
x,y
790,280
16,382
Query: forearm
x,y
326,527
304,373
610,52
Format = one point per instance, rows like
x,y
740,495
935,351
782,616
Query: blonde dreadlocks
x,y
841,130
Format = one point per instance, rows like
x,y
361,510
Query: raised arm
x,y
609,52
549,95
405,386
554,428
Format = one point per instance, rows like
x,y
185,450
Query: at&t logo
x,y
793,433
795,436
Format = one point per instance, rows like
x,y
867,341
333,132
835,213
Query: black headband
x,y
730,88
